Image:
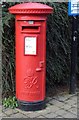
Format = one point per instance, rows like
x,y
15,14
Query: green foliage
x,y
59,33
8,49
58,44
10,102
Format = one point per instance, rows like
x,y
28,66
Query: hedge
x,y
59,31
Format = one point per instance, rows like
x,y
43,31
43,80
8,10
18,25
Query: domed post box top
x,y
31,8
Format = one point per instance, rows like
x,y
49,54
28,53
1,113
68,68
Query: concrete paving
x,y
62,106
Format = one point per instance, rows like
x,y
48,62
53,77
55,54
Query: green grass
x,y
10,102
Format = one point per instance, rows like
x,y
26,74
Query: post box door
x,y
31,52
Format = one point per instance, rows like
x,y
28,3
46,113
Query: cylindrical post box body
x,y
30,55
30,60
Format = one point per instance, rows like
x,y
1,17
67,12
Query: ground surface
x,y
61,105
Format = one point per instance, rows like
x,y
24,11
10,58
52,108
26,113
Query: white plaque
x,y
30,45
73,8
31,22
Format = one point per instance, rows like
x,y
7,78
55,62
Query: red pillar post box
x,y
30,25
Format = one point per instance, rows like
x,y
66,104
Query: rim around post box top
x,y
30,8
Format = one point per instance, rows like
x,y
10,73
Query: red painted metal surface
x,y
30,8
30,50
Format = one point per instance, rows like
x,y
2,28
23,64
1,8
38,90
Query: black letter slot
x,y
30,29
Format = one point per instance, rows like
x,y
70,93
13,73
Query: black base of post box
x,y
31,106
